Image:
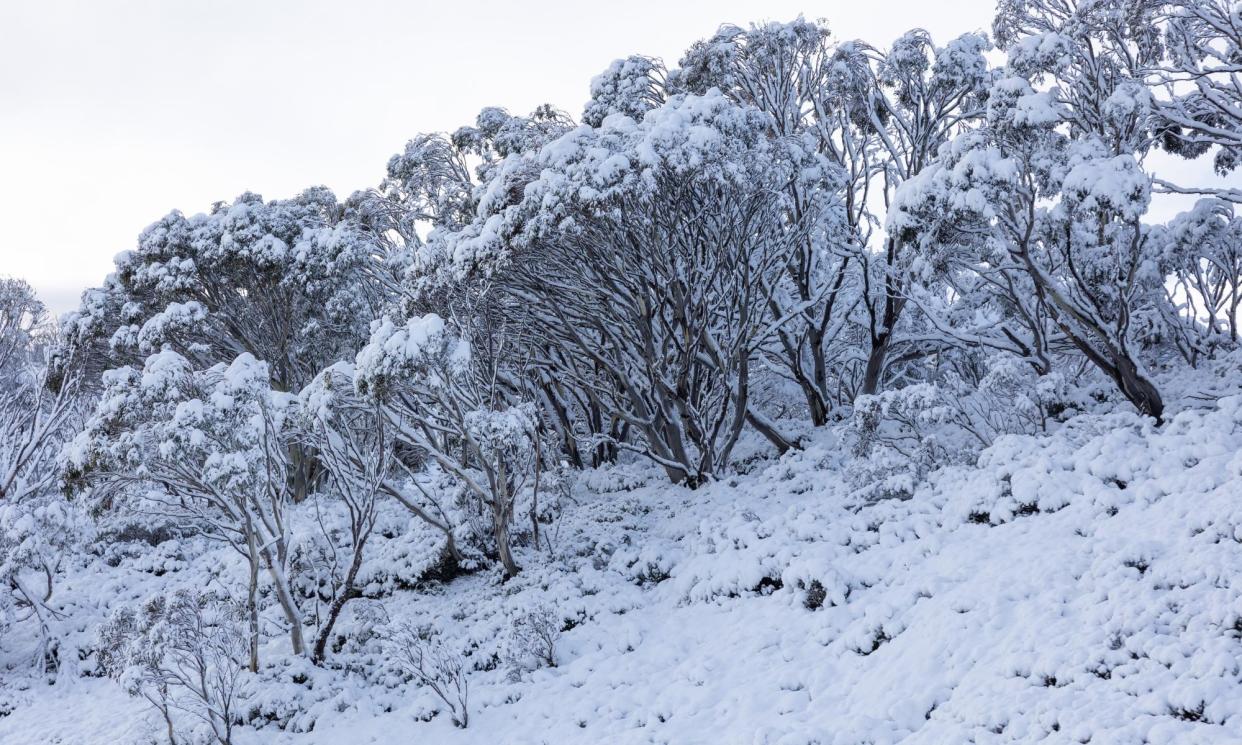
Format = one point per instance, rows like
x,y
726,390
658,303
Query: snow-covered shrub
x,y
429,662
902,434
899,438
36,537
184,653
532,637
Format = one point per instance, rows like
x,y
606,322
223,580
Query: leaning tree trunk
x,y
1138,389
347,592
284,595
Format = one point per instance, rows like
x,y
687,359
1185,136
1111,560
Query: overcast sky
x,y
113,112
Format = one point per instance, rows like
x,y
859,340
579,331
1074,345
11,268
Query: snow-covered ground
x,y
1070,588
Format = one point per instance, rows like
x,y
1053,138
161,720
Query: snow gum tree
x,y
439,400
878,117
1050,193
1202,253
1200,92
41,403
207,448
289,282
357,452
641,258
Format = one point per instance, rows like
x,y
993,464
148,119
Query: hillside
x,y
1076,587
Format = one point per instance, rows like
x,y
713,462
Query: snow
x,y
1115,184
83,712
1073,587
1041,52
410,348
991,547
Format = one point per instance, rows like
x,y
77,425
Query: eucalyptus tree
x,y
207,450
638,259
1199,76
878,116
437,398
1049,196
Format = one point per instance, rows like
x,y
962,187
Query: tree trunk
x,y
285,596
873,374
768,429
168,722
347,592
252,602
500,530
1138,389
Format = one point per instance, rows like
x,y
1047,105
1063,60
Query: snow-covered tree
x,y
631,87
290,282
39,395
356,452
787,70
1046,201
207,449
1203,256
437,181
877,117
41,403
639,260
1200,106
439,400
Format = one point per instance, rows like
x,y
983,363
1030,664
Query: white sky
x,y
113,112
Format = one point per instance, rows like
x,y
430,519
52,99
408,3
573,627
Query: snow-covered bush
x,y
185,654
531,644
37,536
431,664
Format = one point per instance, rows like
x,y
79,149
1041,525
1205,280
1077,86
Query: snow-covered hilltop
x,y
804,392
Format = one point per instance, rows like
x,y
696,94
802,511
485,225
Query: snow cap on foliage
x,y
1115,184
422,347
629,87
1040,53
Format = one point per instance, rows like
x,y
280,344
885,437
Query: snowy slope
x,y
1080,587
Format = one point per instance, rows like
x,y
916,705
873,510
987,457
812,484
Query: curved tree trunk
x,y
347,592
1138,389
